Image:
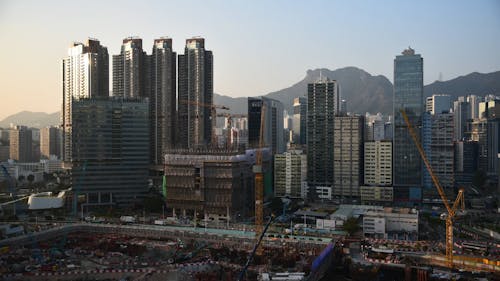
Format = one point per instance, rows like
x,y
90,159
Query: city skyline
x,y
446,33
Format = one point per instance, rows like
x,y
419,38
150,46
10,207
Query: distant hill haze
x,y
475,83
362,91
31,119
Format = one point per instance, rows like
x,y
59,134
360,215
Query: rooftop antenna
x,y
321,75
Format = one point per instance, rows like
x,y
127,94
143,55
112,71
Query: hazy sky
x,y
258,46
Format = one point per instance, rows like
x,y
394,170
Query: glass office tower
x,y
408,95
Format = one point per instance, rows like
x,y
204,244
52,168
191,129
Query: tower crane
x,y
213,113
452,210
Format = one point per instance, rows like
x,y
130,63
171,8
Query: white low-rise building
x,y
37,169
391,223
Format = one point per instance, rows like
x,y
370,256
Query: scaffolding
x,y
212,184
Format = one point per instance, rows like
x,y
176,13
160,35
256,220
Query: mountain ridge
x,y
31,119
363,92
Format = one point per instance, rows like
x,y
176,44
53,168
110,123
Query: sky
x,y
259,46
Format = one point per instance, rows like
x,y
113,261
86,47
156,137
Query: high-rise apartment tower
x,y
85,75
195,96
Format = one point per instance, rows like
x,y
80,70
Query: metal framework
x,y
452,210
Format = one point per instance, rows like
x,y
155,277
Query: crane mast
x,y
459,201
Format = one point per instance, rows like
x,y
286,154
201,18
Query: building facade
x,y
438,104
477,129
493,132
163,103
50,142
110,157
391,223
348,136
130,67
426,145
300,120
323,99
195,95
273,123
461,111
290,172
378,163
374,127
408,96
376,194
209,185
442,148
466,162
474,101
85,75
21,144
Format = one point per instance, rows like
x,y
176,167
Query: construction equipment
x,y
213,113
452,210
259,179
230,117
255,249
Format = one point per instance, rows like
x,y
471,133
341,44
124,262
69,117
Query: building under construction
x,y
213,184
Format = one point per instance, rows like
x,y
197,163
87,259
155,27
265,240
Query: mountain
x,y
362,91
366,93
31,119
237,105
480,84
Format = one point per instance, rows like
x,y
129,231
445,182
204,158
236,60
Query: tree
x,y
351,225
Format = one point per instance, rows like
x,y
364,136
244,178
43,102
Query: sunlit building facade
x,y
85,75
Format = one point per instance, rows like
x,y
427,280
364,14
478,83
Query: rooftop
x,y
310,214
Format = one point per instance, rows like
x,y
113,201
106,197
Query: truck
x,y
127,219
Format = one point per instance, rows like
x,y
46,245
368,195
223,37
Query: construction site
x,y
208,186
89,251
99,252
